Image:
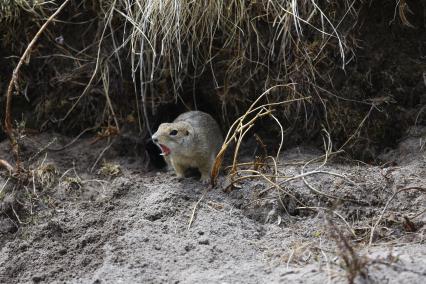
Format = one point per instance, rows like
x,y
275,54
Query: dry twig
x,y
386,207
242,125
13,82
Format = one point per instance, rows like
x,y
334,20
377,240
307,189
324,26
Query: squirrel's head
x,y
173,137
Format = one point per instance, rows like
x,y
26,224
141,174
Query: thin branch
x,y
13,82
387,205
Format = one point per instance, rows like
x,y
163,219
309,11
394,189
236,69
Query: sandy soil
x,y
125,225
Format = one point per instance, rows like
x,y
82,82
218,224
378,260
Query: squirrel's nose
x,y
155,139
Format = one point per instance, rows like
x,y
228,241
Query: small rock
x,y
189,247
38,278
62,251
204,242
7,226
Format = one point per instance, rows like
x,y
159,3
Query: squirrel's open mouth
x,y
165,151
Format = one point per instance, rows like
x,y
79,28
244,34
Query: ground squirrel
x,y
192,140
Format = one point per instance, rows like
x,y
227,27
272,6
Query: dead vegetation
x,y
102,64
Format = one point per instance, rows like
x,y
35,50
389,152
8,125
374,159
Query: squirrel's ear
x,y
187,129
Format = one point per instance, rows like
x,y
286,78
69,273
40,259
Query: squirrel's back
x,y
206,128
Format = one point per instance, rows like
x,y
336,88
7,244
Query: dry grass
x,y
354,265
12,10
170,45
108,59
131,57
230,42
109,169
272,42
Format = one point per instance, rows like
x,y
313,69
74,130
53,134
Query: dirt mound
x,y
132,226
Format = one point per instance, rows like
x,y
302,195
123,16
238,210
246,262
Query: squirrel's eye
x,y
173,133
